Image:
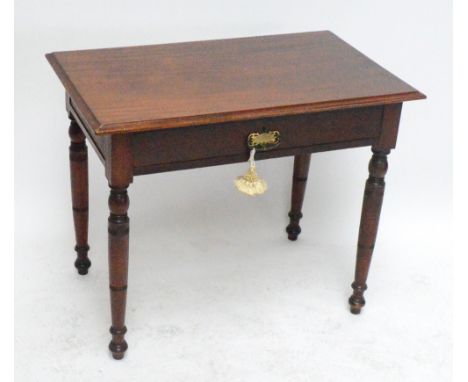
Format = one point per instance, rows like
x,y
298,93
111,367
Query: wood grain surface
x,y
123,90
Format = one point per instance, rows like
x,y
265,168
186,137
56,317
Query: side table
x,y
156,108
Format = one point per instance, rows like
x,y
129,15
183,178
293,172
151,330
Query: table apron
x,y
208,145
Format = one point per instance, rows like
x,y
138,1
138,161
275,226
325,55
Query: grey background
x,y
216,292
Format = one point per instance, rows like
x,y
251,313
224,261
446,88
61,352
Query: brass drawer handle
x,y
263,141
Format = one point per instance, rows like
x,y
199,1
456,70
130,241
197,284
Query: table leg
x,y
372,204
301,170
118,229
79,190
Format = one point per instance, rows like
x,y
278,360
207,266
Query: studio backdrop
x,y
216,291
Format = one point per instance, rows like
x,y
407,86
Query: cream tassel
x,y
250,183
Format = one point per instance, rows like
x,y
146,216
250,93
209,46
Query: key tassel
x,y
250,183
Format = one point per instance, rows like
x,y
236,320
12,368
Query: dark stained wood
x,y
118,267
371,207
301,170
389,128
175,106
98,142
119,174
119,160
211,142
174,85
79,190
227,159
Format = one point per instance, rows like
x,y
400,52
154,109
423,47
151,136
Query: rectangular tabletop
x,y
144,88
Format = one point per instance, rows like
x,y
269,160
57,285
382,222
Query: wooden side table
x,y
158,108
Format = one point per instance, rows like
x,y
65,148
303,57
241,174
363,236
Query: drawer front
x,y
227,143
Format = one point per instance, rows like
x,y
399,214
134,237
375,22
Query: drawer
x,y
207,145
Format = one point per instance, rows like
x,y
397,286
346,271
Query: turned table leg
x,y
372,204
79,189
118,229
301,169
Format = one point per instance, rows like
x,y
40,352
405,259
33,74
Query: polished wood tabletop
x,y
173,85
155,108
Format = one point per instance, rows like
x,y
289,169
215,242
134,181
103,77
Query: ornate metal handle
x,y
266,140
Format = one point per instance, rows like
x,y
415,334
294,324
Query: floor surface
x,y
218,293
